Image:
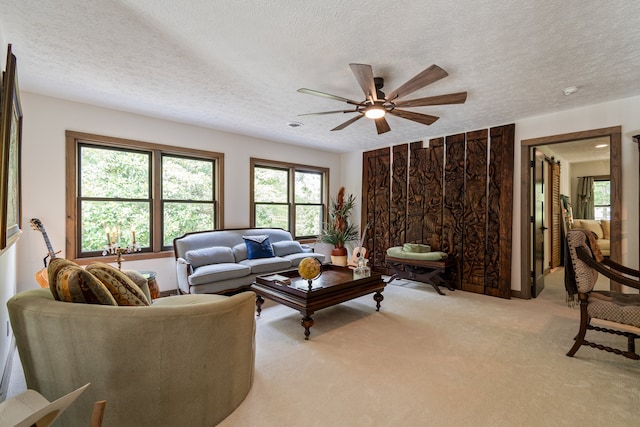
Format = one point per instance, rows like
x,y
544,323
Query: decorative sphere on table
x,y
310,268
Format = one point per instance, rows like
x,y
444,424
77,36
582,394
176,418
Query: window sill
x,y
129,257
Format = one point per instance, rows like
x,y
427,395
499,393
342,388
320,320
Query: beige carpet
x,y
427,360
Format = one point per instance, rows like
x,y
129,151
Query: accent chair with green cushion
x,y
185,360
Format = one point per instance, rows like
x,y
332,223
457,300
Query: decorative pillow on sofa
x,y
240,252
55,265
258,247
74,284
211,255
606,228
286,247
123,289
589,224
140,280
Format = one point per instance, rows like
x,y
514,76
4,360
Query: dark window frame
x,y
156,249
292,168
605,179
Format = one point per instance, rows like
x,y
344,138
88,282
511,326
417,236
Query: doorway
x,y
539,221
527,199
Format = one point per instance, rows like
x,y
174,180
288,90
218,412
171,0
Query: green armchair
x,y
183,361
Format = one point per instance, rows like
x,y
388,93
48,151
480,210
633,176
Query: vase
x,y
339,256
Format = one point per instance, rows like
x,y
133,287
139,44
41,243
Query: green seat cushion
x,y
416,247
398,252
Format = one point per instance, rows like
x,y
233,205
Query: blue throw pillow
x,y
258,247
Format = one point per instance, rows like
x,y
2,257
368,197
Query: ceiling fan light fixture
x,y
376,104
375,112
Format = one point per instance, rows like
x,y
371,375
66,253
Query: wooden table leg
x,y
378,297
259,302
428,278
307,322
425,274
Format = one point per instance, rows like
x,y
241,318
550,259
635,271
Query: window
x,y
292,197
135,193
188,196
602,198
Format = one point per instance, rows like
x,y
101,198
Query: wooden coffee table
x,y
334,286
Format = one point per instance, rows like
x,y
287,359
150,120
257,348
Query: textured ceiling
x,y
236,64
584,150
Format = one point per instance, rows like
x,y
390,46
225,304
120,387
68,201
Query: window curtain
x,y
584,205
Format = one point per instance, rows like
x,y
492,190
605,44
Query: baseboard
x,y
517,294
168,293
6,374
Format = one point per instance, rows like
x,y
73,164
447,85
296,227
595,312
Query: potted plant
x,y
339,229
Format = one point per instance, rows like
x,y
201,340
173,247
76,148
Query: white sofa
x,y
218,261
602,229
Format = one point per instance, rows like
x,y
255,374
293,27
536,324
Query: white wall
x,y
43,170
623,112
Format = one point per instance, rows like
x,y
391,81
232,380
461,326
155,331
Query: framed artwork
x,y
11,134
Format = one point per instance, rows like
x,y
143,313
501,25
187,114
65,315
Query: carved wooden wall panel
x,y
367,211
416,193
456,195
398,205
475,212
453,212
375,195
433,187
500,212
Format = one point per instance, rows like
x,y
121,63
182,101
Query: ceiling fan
x,y
377,105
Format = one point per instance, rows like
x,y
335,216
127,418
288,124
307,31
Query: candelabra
x,y
113,244
116,249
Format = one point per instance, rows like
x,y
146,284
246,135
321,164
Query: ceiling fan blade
x,y
382,125
327,95
425,119
451,98
426,77
364,75
328,112
348,122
